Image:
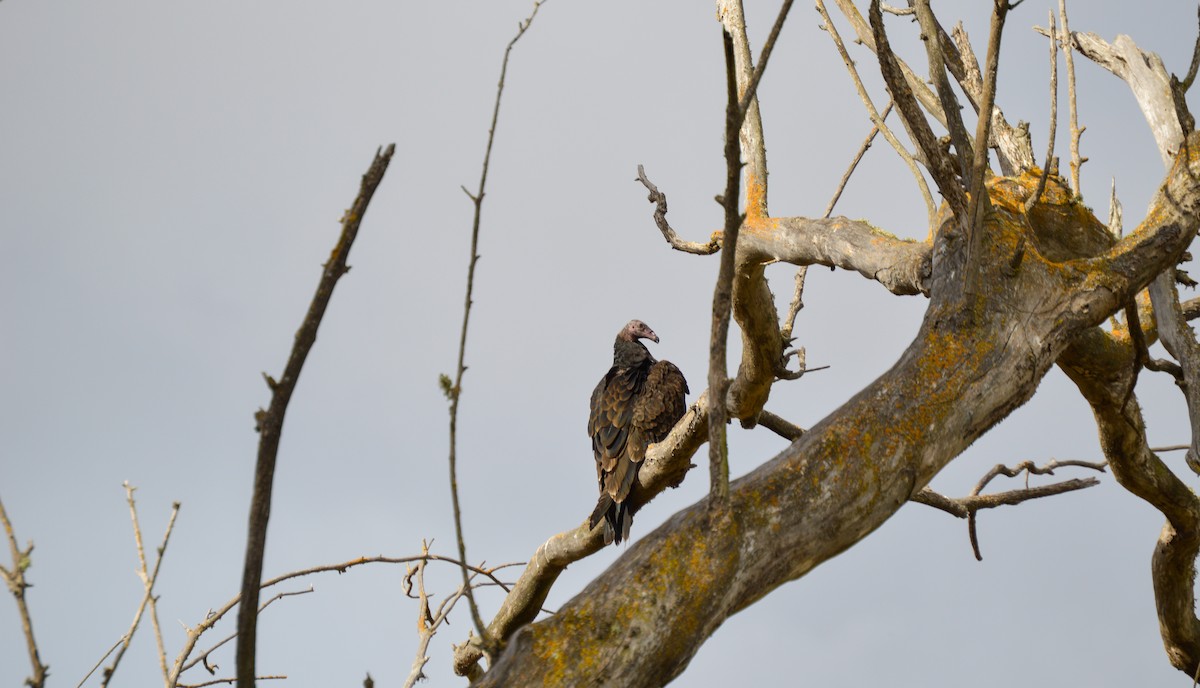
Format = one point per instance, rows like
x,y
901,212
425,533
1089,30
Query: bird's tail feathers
x,y
616,517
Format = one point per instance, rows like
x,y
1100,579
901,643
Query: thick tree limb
x,y
270,421
903,266
1101,366
976,357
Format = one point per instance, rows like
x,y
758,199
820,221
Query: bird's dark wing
x,y
608,425
658,407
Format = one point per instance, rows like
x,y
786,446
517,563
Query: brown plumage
x,y
636,404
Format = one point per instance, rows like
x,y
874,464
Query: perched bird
x,y
636,404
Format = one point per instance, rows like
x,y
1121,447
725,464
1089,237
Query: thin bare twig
x,y
202,658
230,680
1041,185
194,633
1028,468
761,68
876,119
455,392
941,167
797,304
1115,220
659,199
429,620
270,421
1072,107
148,599
15,579
862,150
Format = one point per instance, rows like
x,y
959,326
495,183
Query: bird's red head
x,y
636,329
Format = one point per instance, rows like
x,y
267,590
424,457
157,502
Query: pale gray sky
x,y
171,178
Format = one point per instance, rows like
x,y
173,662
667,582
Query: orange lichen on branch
x,y
756,197
684,576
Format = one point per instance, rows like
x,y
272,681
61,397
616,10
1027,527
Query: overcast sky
x,y
171,179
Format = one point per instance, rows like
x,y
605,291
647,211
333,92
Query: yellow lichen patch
x,y
678,578
756,197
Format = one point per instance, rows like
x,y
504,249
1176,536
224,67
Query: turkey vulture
x,y
637,403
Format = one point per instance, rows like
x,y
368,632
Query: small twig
x,y
230,680
211,619
1115,221
270,421
1173,447
455,392
203,657
15,579
99,662
761,68
659,199
1041,185
1195,65
797,304
973,502
1076,131
148,599
876,119
862,150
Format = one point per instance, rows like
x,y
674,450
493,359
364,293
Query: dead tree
x,y
1020,277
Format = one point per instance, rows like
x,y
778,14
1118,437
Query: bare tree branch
x,y
14,578
194,633
454,392
1076,131
1147,78
1037,194
931,34
270,422
659,199
979,200
941,168
1014,148
862,150
148,599
876,118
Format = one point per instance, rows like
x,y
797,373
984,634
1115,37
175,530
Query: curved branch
x,y
659,199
